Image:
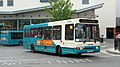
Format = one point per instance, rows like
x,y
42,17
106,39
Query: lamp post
x,y
102,38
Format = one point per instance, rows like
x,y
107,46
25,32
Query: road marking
x,y
70,61
64,61
11,63
76,60
61,61
49,62
105,56
82,60
14,63
4,63
58,61
110,55
21,60
103,51
89,60
7,63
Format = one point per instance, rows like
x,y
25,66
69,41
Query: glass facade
x,y
9,24
10,3
37,21
85,1
23,22
18,24
1,2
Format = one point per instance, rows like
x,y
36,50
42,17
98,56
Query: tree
x,y
61,9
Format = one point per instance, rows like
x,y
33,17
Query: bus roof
x,y
36,25
77,20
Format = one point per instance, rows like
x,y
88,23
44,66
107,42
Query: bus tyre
x,y
59,51
32,49
20,43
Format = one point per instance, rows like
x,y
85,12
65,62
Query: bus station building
x,y
16,13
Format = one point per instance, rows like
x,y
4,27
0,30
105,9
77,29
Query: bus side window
x,y
14,35
28,33
25,33
69,32
40,33
57,32
48,33
33,32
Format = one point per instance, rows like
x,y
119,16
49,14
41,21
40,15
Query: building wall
x,y
77,4
106,15
17,21
26,4
22,4
45,15
87,14
35,15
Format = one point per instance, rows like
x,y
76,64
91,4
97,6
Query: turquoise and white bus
x,y
74,36
11,37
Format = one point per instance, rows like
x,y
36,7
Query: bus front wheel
x,y
59,51
32,48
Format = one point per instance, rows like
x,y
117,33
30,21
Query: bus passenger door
x,y
26,39
69,38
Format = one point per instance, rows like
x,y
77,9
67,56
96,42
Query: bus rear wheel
x,y
32,48
59,51
21,43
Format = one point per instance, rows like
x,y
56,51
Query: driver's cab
x,y
86,32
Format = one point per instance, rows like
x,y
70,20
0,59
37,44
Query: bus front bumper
x,y
88,49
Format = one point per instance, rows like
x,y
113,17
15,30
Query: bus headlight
x,y
97,47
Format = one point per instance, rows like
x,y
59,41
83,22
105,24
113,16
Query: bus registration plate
x,y
90,51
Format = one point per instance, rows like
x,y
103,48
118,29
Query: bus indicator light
x,y
77,48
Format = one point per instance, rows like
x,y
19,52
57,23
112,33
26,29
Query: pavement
x,y
103,43
111,50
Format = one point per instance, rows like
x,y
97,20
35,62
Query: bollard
x,y
118,45
115,44
101,38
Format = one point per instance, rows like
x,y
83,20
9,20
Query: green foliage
x,y
61,9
